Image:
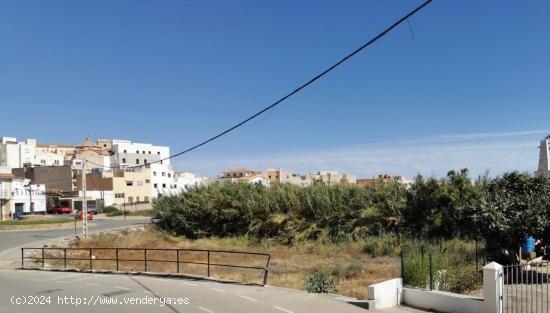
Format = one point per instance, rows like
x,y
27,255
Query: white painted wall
x,y
441,301
20,194
185,180
386,294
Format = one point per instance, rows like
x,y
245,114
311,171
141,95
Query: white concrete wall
x,y
386,294
442,301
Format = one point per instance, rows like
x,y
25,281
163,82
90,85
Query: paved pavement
x,y
93,290
12,240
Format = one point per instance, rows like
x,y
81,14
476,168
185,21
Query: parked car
x,y
59,210
90,215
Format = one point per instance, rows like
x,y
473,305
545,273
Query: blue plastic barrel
x,y
527,244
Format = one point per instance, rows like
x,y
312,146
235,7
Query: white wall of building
x,y
544,157
185,180
21,199
163,182
127,153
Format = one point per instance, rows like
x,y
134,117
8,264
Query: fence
x,y
454,267
526,287
125,259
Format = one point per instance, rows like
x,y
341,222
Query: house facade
x,y
19,197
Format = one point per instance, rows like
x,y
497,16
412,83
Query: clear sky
x,y
469,86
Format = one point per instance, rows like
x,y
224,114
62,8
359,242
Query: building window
x,y
149,152
119,195
143,152
169,175
154,173
140,183
124,151
163,174
147,181
160,161
131,199
163,185
137,161
137,151
137,199
129,183
155,185
146,199
158,152
123,160
145,161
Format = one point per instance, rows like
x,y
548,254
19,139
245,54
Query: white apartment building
x,y
17,154
126,153
19,197
544,158
186,180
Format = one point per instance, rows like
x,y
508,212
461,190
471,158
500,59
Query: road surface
x,y
90,292
12,240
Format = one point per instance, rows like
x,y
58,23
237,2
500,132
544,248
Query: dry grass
x,y
289,264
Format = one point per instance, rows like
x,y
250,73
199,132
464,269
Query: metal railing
x,y
178,254
526,287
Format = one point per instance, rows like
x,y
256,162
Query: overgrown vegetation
x,y
431,209
447,215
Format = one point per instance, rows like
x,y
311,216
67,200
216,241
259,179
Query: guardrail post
x,y
266,269
178,260
65,257
208,273
43,263
22,257
145,258
431,274
116,259
402,258
90,259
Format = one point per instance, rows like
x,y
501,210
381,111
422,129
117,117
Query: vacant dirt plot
x,y
289,264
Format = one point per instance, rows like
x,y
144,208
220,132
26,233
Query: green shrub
x,y
115,213
382,245
318,281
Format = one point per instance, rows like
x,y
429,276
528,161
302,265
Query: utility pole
x,y
84,203
31,205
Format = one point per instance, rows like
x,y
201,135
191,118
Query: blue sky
x,y
468,87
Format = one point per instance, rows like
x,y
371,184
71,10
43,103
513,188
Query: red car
x,y
59,210
90,215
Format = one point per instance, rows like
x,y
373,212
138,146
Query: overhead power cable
x,y
295,91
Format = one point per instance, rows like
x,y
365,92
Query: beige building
x,y
98,154
327,177
282,176
54,154
131,186
244,175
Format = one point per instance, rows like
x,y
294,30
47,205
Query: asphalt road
x,y
12,240
52,292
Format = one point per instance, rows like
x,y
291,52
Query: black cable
x,y
295,91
